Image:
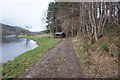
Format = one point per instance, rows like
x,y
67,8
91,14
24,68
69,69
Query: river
x,y
12,47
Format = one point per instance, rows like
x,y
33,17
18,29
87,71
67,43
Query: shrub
x,y
104,47
86,46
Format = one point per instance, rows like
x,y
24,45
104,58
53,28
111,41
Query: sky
x,y
24,13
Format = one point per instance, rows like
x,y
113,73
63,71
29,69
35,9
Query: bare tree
x,y
28,28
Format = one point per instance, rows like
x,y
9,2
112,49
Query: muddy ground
x,y
58,62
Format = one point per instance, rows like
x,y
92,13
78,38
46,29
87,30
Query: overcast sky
x,y
24,13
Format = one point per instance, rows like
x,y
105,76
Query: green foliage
x,y
23,62
105,47
86,46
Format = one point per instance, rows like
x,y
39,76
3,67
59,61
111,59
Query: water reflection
x,y
12,49
27,40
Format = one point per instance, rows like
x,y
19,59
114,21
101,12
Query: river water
x,y
12,47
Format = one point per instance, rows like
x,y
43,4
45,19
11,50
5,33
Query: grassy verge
x,y
0,71
80,49
22,63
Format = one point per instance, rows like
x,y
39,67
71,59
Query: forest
x,y
89,19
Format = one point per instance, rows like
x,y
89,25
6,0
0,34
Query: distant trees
x,y
12,30
28,30
88,19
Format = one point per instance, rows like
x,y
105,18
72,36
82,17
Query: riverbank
x,y
22,63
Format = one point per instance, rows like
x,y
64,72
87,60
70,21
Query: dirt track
x,y
59,62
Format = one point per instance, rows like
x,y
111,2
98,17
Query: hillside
x,y
12,30
99,59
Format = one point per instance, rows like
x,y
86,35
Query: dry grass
x,y
95,61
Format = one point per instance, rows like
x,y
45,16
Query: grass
x,y
83,57
80,50
0,71
104,47
22,63
99,59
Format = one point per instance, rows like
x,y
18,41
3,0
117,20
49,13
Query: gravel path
x,y
58,62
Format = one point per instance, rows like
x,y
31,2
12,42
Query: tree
x,y
88,19
28,28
